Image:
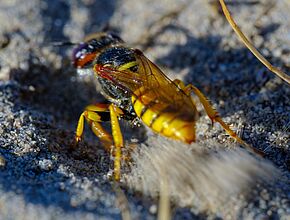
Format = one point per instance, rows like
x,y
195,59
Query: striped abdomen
x,y
166,118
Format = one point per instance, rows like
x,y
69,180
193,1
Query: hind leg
x,y
213,114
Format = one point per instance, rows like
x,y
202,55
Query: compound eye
x,y
83,56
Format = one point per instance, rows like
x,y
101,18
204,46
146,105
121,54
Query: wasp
x,y
136,88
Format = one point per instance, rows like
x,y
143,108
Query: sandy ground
x,y
44,176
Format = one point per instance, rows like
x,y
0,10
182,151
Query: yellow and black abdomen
x,y
164,117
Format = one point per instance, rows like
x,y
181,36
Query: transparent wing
x,y
148,77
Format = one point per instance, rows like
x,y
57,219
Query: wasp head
x,y
86,52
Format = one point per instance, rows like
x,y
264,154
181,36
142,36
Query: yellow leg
x,y
91,114
213,114
115,112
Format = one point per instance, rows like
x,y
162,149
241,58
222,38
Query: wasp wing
x,y
153,82
156,81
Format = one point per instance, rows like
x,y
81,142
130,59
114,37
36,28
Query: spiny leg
x,y
115,112
91,114
213,114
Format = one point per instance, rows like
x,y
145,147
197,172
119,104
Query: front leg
x,y
92,114
115,113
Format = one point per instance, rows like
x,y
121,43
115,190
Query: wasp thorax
x,y
116,57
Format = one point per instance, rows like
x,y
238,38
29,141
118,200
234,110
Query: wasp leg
x,y
93,117
115,113
213,114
